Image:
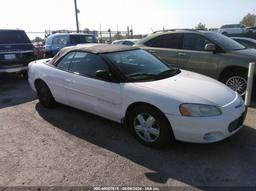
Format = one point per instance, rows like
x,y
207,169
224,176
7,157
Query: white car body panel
x,y
193,129
99,97
111,100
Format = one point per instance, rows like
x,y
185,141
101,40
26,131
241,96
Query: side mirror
x,y
103,75
210,47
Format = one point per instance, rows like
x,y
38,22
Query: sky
x,y
143,15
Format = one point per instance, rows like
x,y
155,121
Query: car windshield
x,y
138,65
225,42
80,39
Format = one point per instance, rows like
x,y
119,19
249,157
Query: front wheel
x,y
150,126
237,81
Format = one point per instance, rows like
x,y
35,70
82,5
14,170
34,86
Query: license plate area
x,y
237,123
10,56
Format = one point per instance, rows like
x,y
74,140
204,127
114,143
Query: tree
x,y
249,20
37,39
201,26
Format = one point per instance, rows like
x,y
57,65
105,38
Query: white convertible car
x,y
130,86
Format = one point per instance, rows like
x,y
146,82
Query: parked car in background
x,y
128,42
232,29
251,29
128,85
247,42
204,52
213,29
16,51
58,41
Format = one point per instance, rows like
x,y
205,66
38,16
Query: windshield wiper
x,y
141,74
169,71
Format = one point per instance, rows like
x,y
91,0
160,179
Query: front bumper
x,y
209,129
13,70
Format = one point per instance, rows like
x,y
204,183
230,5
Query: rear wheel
x,y
44,95
150,126
236,80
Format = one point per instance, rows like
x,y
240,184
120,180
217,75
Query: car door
x,y
165,47
57,78
87,92
193,56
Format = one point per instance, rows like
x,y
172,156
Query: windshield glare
x,y
138,64
225,42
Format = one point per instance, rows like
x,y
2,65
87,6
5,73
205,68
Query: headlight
x,y
199,110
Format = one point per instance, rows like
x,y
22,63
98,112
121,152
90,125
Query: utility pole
x,y
128,32
100,34
131,32
254,15
76,12
110,37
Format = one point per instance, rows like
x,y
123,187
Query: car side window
x,y
166,41
64,63
194,42
87,64
60,40
128,43
155,42
247,44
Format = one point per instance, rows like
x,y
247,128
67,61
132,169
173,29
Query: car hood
x,y
190,87
246,52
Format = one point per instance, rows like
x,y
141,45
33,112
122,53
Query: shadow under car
x,y
227,163
14,90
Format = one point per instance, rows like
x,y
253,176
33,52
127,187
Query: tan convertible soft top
x,y
94,49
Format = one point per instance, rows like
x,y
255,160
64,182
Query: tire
x,y
24,74
45,96
236,80
156,130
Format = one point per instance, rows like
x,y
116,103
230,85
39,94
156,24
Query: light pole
x,y
254,15
76,12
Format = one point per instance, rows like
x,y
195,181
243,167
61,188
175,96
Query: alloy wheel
x,y
238,84
146,127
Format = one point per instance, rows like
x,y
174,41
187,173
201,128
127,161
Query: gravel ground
x,y
68,147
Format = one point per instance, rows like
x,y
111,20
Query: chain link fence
x,y
103,36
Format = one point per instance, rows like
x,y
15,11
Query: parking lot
x,y
68,147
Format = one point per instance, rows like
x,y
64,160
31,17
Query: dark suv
x,y
16,51
205,52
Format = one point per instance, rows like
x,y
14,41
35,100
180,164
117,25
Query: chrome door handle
x,y
182,54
